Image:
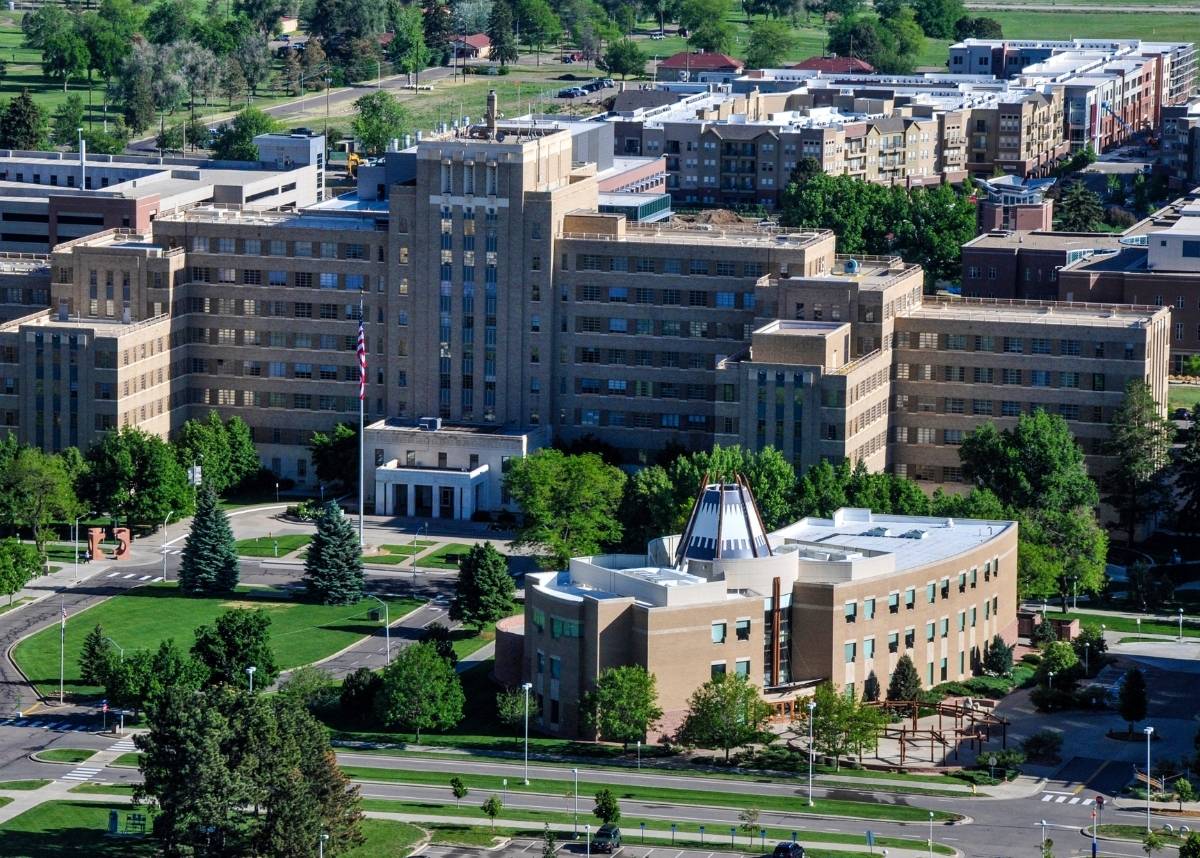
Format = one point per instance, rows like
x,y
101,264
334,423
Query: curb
x,y
33,755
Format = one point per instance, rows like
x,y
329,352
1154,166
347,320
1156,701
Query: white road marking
x,y
127,577
1047,798
1060,799
144,578
1074,800
112,574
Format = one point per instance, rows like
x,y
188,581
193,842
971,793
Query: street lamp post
x,y
276,491
588,830
812,708
527,687
1149,731
1086,668
321,845
639,752
164,548
575,772
250,672
1043,837
1050,679
387,627
1181,625
931,834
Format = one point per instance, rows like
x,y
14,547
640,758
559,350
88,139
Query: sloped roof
x,y
701,62
477,40
836,65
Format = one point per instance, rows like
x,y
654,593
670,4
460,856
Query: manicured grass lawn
x,y
631,825
103,789
1182,395
141,618
446,557
1087,25
59,828
1136,832
385,839
1191,626
129,760
391,555
65,755
671,795
467,641
24,785
262,546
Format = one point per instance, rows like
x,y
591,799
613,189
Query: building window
x,y
851,612
869,608
742,629
930,631
910,598
851,651
717,668
718,633
893,642
894,603
741,667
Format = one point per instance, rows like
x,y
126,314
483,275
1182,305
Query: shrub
x,y
976,776
305,510
1052,699
1031,658
1043,745
1117,216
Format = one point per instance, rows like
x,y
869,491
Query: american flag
x,y
362,361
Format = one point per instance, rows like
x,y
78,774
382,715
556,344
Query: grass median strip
x,y
1149,625
272,546
103,789
733,774
36,783
127,761
63,755
1136,833
715,832
787,804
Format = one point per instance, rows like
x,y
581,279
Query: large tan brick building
x,y
836,599
497,294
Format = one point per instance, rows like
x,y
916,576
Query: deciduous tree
x,y
420,691
770,43
568,503
407,50
335,456
134,476
234,141
625,58
726,713
19,564
624,705
607,808
236,640
379,119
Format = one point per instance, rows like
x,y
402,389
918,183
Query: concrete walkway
x,y
630,834
59,789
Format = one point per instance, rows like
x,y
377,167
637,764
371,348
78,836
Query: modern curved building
x,y
837,598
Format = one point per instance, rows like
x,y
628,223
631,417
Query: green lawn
x,y
1136,832
671,795
1087,25
65,755
24,785
392,555
265,546
1156,626
128,761
141,618
16,603
385,839
59,828
103,789
1182,395
717,831
446,557
467,641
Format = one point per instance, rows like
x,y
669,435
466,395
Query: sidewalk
x,y
59,789
657,834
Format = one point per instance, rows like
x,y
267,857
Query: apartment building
x,y
1113,88
51,197
1179,152
838,599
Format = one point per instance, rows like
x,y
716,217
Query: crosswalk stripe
x,y
1074,800
144,578
159,578
1060,799
127,577
112,574
1047,798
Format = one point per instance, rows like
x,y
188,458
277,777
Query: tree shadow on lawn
x,y
86,833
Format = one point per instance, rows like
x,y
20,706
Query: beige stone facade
x,y
835,599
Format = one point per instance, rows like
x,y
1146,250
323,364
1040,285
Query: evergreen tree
x,y
1079,210
95,658
333,569
139,104
439,29
1131,700
243,458
1140,440
1187,480
500,31
209,563
22,124
485,590
906,682
999,658
871,688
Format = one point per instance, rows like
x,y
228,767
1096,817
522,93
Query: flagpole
x,y
62,648
362,425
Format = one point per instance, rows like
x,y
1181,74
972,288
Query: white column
x,y
435,494
412,499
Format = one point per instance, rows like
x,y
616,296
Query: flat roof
x,y
1045,240
1035,312
303,219
796,327
397,424
913,541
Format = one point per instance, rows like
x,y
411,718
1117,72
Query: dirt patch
x,y
250,606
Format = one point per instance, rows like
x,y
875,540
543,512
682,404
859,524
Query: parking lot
x,y
526,847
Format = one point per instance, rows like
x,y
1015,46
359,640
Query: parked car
x,y
571,92
607,839
1182,414
657,37
788,849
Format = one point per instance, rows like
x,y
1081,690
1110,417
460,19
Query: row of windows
x,y
661,328
637,387
965,580
1004,375
987,408
297,279
278,247
652,265
559,627
272,339
666,297
642,420
934,630
1011,345
269,399
644,358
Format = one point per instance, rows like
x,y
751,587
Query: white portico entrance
x,y
429,492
